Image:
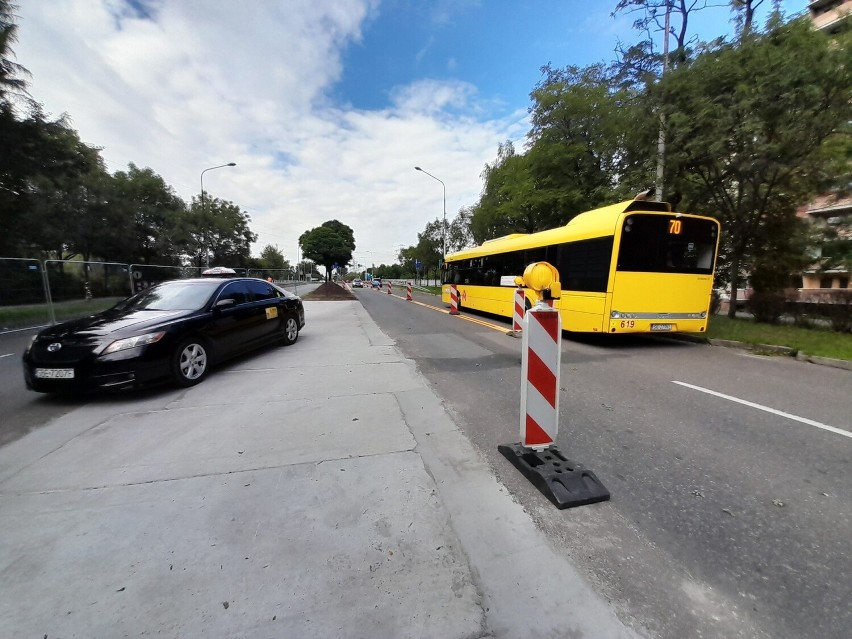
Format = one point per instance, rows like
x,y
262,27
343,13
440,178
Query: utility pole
x,y
661,140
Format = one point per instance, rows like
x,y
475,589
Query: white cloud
x,y
205,83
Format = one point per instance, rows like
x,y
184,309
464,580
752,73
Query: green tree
x,y
216,233
428,249
12,83
272,258
459,234
507,203
57,174
753,130
231,237
581,144
329,244
152,211
589,144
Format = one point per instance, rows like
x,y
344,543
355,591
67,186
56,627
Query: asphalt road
x,y
726,519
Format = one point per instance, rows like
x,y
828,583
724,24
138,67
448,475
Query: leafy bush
x,y
766,306
836,307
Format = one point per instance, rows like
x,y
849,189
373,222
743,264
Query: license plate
x,y
662,327
54,373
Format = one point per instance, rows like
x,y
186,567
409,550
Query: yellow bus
x,y
631,267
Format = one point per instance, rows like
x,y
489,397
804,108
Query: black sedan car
x,y
174,330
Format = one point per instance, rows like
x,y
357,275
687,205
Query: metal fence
x,y
36,293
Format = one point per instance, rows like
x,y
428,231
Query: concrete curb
x,y
768,349
825,361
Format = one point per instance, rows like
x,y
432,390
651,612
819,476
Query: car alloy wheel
x,y
191,362
291,330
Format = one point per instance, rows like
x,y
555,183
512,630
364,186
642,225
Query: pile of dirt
x,y
329,291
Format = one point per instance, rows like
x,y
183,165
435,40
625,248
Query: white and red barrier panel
x,y
408,297
540,361
390,288
454,300
519,310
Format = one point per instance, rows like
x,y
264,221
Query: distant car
x,y
357,284
377,282
174,330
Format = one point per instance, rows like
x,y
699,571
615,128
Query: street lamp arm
x,y
417,168
443,228
206,247
221,166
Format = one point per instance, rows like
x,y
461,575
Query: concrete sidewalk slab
x,y
317,490
346,548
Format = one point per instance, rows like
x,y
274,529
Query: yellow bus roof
x,y
596,223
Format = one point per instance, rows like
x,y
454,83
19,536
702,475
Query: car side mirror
x,y
224,303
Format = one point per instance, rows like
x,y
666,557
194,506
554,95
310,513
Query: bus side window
x,y
705,256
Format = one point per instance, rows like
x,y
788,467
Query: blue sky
x,y
325,107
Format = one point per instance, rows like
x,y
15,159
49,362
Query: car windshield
x,y
171,296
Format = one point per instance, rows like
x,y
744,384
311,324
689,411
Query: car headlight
x,y
133,342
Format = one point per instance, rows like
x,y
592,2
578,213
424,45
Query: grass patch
x,y
813,341
37,314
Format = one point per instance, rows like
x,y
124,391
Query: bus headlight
x,y
619,315
700,315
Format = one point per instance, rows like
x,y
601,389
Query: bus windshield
x,y
667,244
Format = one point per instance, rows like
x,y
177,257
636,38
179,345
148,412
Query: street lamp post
x,y
444,227
371,261
203,211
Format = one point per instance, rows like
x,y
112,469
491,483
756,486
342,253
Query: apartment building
x,y
828,15
831,210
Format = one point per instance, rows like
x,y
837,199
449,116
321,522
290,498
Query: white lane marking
x,y
6,355
804,420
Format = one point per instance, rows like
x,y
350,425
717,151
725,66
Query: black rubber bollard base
x,y
564,482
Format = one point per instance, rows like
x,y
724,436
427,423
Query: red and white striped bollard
x,y
454,300
408,292
540,360
518,312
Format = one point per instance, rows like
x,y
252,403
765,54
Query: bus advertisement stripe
x,y
542,378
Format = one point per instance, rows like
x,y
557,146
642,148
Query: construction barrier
x,y
564,482
540,360
454,300
390,287
518,312
408,292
